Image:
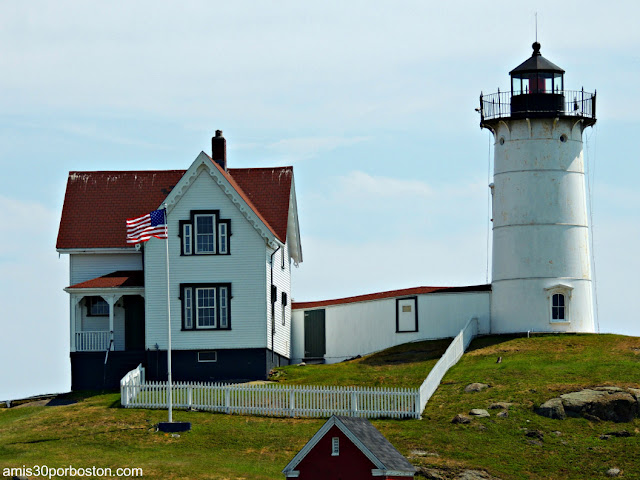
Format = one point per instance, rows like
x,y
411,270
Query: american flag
x,y
142,228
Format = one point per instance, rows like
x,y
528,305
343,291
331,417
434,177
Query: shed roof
x,y
377,444
97,204
366,438
390,294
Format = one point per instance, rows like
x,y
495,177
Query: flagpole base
x,y
174,427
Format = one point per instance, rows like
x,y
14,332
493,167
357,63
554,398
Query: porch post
x,y
111,300
75,300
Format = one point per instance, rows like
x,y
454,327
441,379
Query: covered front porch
x,y
107,313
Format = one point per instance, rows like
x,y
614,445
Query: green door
x,y
314,334
133,322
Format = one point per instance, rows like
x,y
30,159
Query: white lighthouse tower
x,y
541,274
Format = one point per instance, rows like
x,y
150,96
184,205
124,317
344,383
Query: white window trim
x,y
197,308
186,238
215,357
335,446
225,306
188,308
214,233
222,239
561,289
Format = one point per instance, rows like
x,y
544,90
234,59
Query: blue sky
x,y
371,102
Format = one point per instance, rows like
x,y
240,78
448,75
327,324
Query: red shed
x,y
348,448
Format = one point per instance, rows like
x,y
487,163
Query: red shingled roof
x,y
122,278
390,294
97,204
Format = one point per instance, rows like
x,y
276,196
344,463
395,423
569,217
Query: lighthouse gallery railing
x,y
578,103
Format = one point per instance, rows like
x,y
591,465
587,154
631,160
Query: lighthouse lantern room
x,y
541,269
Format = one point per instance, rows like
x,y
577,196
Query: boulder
x,y
616,407
552,409
537,434
474,475
503,414
575,402
475,387
500,406
609,389
430,473
612,404
461,419
479,412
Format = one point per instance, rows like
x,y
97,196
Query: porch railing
x,y
97,341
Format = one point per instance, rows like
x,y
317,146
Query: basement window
x,y
208,356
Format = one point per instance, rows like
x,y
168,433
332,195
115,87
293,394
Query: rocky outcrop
x,y
479,413
552,409
613,404
461,419
475,387
440,474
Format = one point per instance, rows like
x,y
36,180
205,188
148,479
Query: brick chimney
x,y
219,150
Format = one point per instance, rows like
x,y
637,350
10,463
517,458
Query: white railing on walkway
x,y
448,360
130,385
295,400
97,341
270,399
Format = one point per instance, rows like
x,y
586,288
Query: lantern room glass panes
x,y
539,82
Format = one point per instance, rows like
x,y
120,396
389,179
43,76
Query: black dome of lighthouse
x,y
536,63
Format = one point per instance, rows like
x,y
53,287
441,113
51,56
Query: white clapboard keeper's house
x,y
232,237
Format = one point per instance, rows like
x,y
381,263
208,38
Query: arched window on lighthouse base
x,y
559,297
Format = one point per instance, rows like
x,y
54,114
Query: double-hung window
x,y
97,307
206,306
557,308
559,297
205,233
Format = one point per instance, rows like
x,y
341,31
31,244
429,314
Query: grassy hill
x,y
96,432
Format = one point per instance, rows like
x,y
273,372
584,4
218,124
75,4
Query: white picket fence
x,y
270,399
295,400
451,356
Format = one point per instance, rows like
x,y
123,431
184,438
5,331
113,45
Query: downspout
x,y
273,305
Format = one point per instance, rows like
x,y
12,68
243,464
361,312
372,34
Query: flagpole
x,y
166,219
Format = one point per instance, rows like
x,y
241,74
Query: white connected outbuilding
x,y
541,270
